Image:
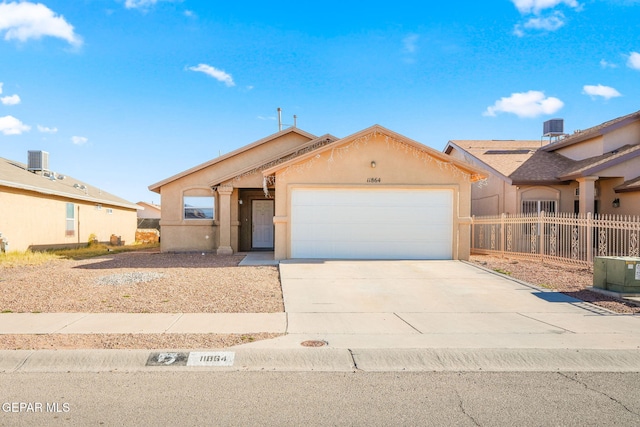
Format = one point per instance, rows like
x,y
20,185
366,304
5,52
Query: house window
x,y
531,207
71,220
109,211
198,207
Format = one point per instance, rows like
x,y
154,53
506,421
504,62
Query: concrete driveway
x,y
438,304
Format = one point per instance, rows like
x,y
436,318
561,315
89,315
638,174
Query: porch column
x,y
224,216
587,193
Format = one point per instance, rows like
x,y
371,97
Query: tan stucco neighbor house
x,y
596,170
41,209
372,195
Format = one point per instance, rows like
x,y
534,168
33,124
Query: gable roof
x,y
473,171
156,187
594,131
15,175
282,157
503,156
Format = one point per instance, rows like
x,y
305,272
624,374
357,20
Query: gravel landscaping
x,y
142,282
569,280
138,282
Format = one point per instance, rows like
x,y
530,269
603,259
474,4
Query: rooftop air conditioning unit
x,y
553,127
38,161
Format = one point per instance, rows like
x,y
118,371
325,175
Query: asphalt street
x,y
314,398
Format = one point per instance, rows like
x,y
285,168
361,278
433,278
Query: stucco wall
x,y
41,220
349,165
584,150
179,234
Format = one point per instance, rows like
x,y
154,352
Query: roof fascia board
x,y
66,195
484,165
590,134
602,166
273,158
156,187
432,152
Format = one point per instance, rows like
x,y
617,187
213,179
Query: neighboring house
x,y
41,209
595,170
148,211
374,194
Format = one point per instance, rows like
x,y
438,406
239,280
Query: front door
x,y
262,222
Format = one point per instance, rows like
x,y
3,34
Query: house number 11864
x,y
374,180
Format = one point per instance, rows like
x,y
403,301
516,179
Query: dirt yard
x,y
569,280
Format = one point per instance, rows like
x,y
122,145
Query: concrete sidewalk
x,y
142,323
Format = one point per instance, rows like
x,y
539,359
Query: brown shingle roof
x,y
542,168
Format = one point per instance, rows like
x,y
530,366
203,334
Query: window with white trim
x,y
198,207
71,220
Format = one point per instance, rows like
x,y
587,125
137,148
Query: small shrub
x,y
501,271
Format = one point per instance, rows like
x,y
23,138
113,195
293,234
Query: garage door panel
x,y
384,223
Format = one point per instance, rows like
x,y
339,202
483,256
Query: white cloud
x,y
215,73
634,60
142,4
607,64
604,91
9,125
45,129
79,140
10,100
536,6
551,23
410,43
527,104
23,21
139,4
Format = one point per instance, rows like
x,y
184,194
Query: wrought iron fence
x,y
559,237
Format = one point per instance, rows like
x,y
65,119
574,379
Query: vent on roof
x,y
553,127
38,161
507,152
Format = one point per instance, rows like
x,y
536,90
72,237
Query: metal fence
x,y
558,237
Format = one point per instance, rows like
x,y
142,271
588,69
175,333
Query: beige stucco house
x,y
595,170
374,194
42,209
148,210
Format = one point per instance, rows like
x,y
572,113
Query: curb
x,y
323,360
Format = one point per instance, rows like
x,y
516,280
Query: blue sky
x,y
125,93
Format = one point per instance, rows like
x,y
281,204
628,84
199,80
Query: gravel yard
x,y
569,280
142,282
138,282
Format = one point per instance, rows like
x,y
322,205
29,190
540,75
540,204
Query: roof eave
x,y
68,195
475,173
599,167
156,187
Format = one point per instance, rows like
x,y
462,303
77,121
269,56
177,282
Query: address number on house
x,y
374,180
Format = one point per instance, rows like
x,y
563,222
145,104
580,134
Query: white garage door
x,y
371,223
